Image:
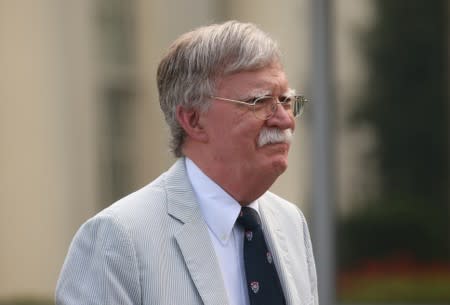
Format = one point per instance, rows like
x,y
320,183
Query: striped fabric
x,y
153,247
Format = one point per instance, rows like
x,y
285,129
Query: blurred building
x,y
80,124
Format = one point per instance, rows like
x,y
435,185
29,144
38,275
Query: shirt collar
x,y
219,209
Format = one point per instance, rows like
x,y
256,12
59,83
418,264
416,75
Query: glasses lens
x,y
298,103
265,107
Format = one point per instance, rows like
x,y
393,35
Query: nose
x,y
282,119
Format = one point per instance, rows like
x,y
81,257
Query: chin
x,y
280,165
275,165
276,157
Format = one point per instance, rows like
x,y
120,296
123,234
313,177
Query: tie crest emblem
x,y
254,286
269,257
249,235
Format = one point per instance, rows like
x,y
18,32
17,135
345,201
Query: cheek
x,y
246,124
236,133
247,134
237,142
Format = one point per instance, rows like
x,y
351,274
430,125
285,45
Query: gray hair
x,y
188,72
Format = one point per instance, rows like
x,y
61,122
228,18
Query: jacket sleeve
x,y
311,264
101,266
310,260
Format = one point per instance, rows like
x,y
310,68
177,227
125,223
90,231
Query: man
x,y
207,231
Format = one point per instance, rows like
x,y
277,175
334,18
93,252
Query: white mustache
x,y
274,135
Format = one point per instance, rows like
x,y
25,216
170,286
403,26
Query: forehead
x,y
268,80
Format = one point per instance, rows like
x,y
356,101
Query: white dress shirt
x,y
220,211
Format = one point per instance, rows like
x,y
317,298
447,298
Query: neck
x,y
244,184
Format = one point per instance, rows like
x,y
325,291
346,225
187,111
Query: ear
x,y
189,119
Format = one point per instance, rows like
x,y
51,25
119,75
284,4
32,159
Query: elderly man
x,y
207,231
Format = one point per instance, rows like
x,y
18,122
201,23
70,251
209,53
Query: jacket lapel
x,y
193,238
277,242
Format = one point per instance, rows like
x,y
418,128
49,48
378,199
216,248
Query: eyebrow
x,y
290,91
258,92
264,92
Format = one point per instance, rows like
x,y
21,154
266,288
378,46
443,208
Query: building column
x,y
47,155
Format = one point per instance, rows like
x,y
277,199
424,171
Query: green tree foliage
x,y
407,107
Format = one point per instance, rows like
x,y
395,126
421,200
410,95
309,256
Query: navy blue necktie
x,y
263,284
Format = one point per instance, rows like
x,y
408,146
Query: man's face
x,y
233,130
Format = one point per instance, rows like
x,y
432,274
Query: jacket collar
x,y
193,237
278,244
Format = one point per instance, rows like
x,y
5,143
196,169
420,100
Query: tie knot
x,y
248,218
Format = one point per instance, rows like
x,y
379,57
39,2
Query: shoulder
x,y
145,210
150,203
278,205
145,202
283,214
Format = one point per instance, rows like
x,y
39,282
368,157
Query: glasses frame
x,y
298,103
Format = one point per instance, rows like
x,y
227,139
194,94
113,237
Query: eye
x,y
259,100
286,99
252,100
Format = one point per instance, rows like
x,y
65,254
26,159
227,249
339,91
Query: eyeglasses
x,y
264,107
